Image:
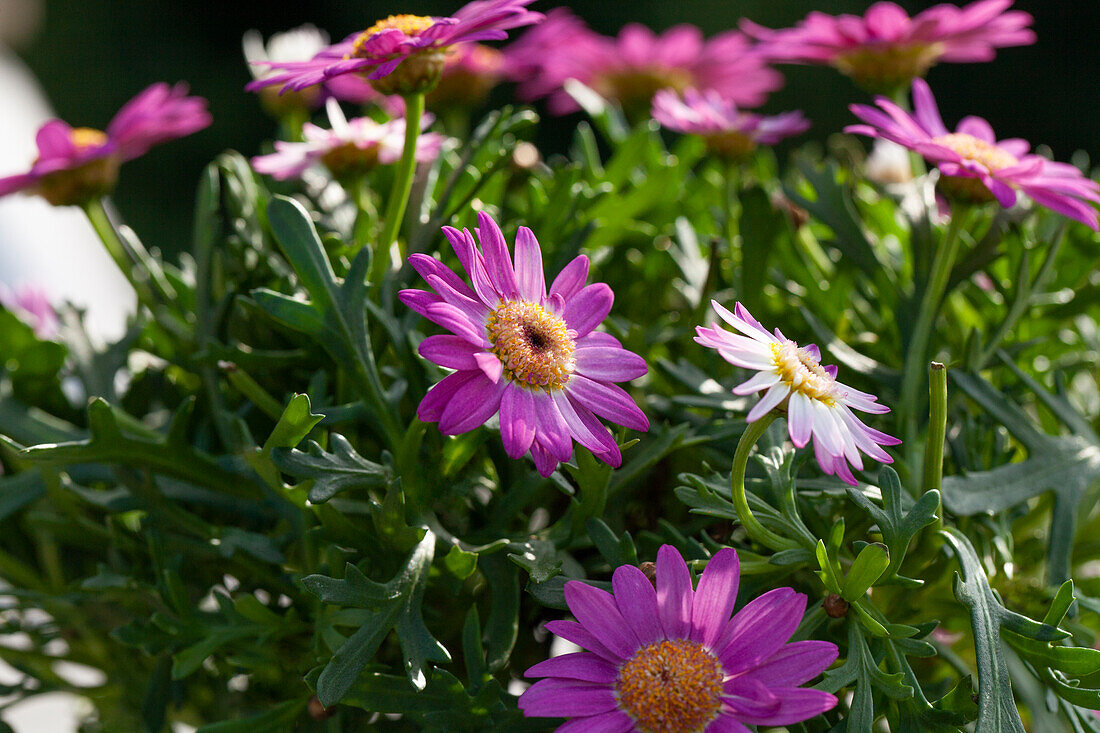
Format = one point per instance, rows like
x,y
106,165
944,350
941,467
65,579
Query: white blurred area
x,y
53,248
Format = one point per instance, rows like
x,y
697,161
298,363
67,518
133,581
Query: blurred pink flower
x,y
75,165
31,304
885,49
727,130
975,165
634,66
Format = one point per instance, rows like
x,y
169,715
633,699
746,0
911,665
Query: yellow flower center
x,y
86,137
672,686
534,345
801,372
350,160
884,69
977,150
410,25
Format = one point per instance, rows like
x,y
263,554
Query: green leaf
x,y
996,706
871,562
293,426
539,558
170,454
462,564
355,589
332,473
401,612
280,717
897,526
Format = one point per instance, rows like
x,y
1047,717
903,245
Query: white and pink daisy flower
x,y
348,149
792,378
975,165
529,353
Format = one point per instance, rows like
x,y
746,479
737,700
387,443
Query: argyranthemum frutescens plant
x,y
356,470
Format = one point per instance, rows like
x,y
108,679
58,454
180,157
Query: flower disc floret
x,y
975,166
671,686
793,379
662,657
533,344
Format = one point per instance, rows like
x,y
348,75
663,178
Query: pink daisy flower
x,y
670,658
529,354
349,149
75,165
727,130
470,72
634,66
817,405
975,165
886,48
384,48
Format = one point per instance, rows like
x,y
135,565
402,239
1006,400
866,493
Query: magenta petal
x,y
453,352
553,434
637,600
498,262
760,629
431,407
609,401
529,276
473,404
674,593
544,462
748,698
715,597
614,721
517,420
587,309
795,704
609,364
579,635
571,278
595,609
584,666
555,698
795,663
723,724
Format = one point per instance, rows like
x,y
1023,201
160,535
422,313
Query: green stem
x,y
97,215
917,355
752,525
937,427
402,186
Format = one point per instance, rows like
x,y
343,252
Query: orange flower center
x,y
634,88
802,372
732,144
672,686
534,345
977,150
410,25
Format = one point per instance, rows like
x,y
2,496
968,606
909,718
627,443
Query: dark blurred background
x,y
93,55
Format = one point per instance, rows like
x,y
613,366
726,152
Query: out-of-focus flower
x,y
670,658
885,49
298,45
976,166
817,405
888,164
349,149
470,72
76,165
403,54
636,65
530,354
729,132
31,304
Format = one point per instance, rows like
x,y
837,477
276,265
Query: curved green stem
x,y
937,427
97,215
402,186
752,525
916,357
